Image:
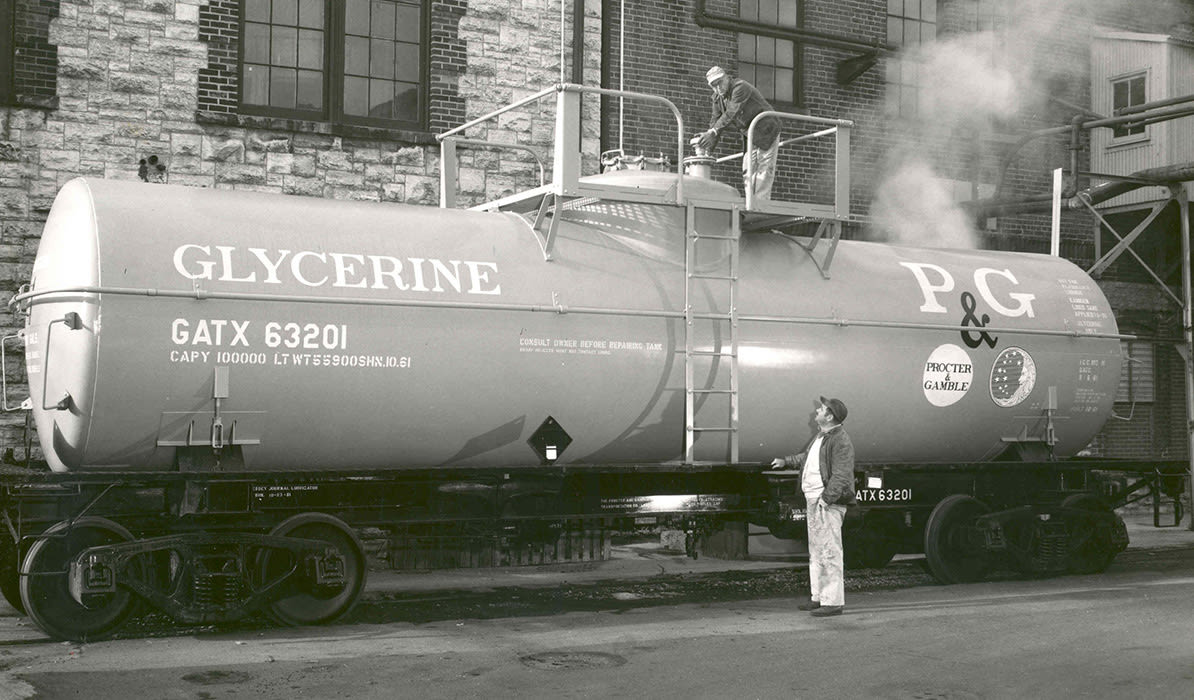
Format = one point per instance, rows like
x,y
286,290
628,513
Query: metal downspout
x,y
1183,204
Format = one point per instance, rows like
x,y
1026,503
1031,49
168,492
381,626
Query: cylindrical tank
x,y
319,334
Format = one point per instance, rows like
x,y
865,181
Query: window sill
x,y
31,102
421,138
1127,141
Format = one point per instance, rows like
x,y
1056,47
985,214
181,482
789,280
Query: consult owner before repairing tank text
x,y
827,479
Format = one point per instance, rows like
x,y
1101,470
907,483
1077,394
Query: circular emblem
x,y
1013,377
947,375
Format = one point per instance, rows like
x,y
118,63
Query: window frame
x,y
1118,139
797,10
904,86
332,111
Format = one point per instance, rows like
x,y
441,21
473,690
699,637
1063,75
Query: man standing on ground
x,y
735,104
827,480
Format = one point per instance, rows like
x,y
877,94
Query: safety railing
x,y
566,166
839,128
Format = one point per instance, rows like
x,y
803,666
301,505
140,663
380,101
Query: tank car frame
x,y
85,551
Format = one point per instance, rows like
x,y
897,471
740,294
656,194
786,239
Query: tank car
x,y
227,386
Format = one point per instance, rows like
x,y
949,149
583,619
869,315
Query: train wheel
x,y
45,588
314,604
952,548
1096,553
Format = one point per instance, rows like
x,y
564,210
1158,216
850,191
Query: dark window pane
x,y
356,96
257,10
1120,95
256,43
895,7
408,22
406,102
912,9
310,49
1137,91
284,49
356,55
382,25
408,62
746,71
768,11
784,54
766,51
928,10
912,32
356,17
256,85
310,89
928,32
784,79
282,83
381,99
381,63
286,12
765,80
311,13
749,10
787,13
746,48
895,31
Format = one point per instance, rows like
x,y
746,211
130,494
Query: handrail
x,y
649,98
446,138
789,142
501,110
841,127
554,307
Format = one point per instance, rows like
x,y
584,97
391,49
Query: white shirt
x,y
810,478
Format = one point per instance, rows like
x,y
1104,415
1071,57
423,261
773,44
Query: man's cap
x,y
836,407
715,73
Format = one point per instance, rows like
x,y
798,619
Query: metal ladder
x,y
716,318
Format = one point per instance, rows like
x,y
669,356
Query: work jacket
x,y
737,110
837,465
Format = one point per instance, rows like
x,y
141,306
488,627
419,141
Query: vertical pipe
x,y
578,42
1183,202
622,76
1055,224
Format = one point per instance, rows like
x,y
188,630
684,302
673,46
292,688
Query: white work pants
x,y
759,178
826,583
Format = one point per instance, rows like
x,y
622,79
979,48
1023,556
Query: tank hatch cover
x,y
549,440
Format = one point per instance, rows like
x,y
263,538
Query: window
x,y
909,24
769,64
1136,377
986,15
357,61
1127,92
